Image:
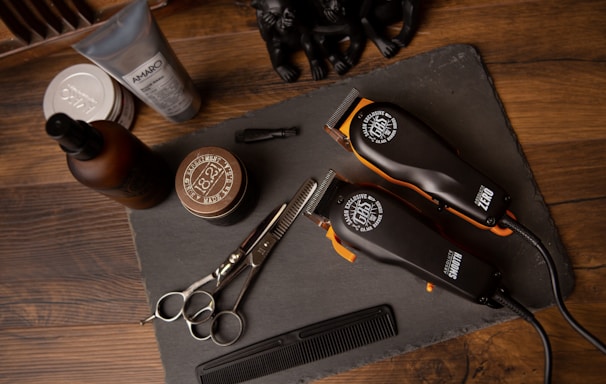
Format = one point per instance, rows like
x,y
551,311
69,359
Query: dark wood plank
x,y
582,232
93,354
555,101
569,171
73,300
63,230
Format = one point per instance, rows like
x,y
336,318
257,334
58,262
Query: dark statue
x,y
285,30
318,26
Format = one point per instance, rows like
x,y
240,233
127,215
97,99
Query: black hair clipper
x,y
383,226
403,150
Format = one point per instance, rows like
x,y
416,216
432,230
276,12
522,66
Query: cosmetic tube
x,y
131,47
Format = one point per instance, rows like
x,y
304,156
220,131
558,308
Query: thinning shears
x,y
198,306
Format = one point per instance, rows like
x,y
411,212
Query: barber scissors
x,y
173,305
250,255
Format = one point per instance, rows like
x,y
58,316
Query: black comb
x,y
302,346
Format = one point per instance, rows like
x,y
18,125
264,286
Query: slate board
x,y
305,281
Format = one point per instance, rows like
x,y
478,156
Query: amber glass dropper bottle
x,y
106,157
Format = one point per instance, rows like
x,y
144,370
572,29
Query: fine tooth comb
x,y
301,346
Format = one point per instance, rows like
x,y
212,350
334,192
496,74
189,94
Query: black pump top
x,y
77,138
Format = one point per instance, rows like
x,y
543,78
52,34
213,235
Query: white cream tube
x,y
132,49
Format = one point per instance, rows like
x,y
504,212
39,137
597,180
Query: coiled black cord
x,y
555,284
505,300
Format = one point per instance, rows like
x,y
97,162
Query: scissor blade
x,y
257,234
288,216
294,208
233,264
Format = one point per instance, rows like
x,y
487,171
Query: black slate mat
x,y
305,281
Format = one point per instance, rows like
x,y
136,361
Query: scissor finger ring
x,y
200,330
170,306
226,329
191,305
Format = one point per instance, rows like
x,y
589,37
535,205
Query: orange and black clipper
x,y
405,151
379,224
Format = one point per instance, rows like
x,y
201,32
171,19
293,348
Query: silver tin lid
x,y
84,92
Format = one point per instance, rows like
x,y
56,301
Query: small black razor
x,y
252,135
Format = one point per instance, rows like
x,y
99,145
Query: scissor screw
x,y
340,200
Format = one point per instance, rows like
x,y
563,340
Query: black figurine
x,y
335,20
318,27
380,13
361,19
283,28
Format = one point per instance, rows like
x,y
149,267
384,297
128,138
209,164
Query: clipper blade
x,y
333,124
324,194
317,196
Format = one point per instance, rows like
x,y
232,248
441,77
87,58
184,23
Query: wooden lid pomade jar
x,y
212,183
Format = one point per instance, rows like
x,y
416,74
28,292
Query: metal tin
x,y
212,183
85,92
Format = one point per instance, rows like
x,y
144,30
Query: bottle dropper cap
x,y
77,138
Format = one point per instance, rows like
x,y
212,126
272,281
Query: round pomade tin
x,y
213,183
85,92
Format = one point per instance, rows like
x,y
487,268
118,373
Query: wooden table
x,y
70,286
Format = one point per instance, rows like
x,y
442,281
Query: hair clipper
x,y
403,150
383,226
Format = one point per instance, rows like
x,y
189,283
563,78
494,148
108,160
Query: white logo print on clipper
x,y
380,127
363,212
453,264
484,198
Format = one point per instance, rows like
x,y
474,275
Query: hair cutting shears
x,y
198,306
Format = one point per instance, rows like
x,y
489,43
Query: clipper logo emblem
x,y
484,198
380,127
363,212
453,264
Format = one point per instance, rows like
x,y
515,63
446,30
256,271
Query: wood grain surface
x,y
70,287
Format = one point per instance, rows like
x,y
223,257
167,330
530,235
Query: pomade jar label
x,y
211,183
